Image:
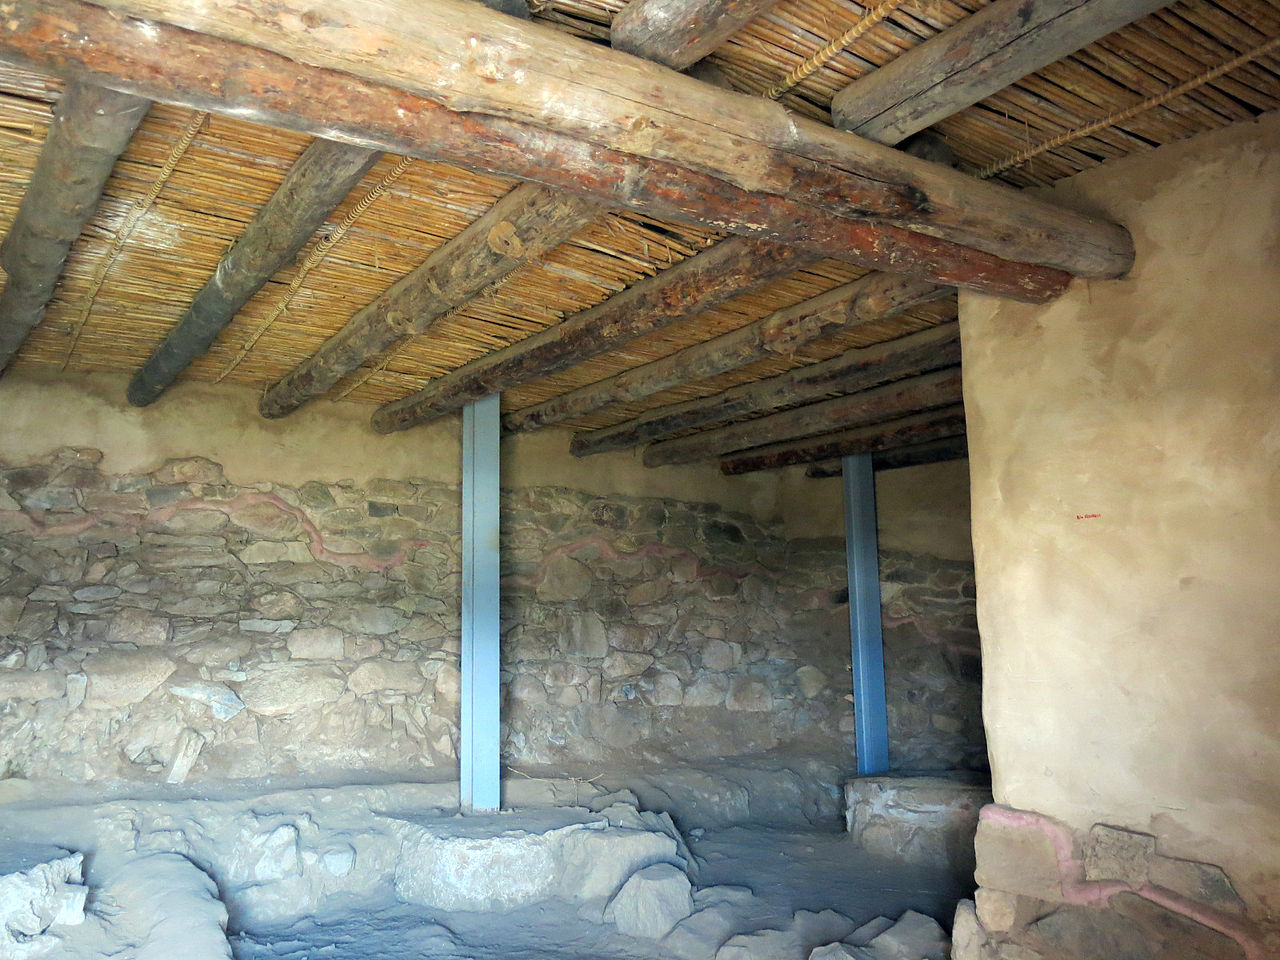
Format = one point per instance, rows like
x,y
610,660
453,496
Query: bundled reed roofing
x,y
189,183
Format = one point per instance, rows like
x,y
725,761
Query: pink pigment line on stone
x,y
1076,890
35,526
316,538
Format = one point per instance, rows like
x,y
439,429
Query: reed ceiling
x,y
156,238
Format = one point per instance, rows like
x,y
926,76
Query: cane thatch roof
x,y
137,266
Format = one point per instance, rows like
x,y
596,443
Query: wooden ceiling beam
x,y
891,401
313,188
521,227
90,129
548,102
733,266
935,451
679,33
850,372
916,429
874,297
984,53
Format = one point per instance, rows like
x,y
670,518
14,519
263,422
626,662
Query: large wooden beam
x,y
208,73
733,266
907,431
874,297
523,226
930,391
679,33
982,54
935,451
853,371
317,182
91,128
569,95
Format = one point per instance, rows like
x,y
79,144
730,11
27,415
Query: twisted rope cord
x,y
128,225
833,49
318,253
373,371
1126,113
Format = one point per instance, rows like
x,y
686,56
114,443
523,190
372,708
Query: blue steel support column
x,y
871,718
479,729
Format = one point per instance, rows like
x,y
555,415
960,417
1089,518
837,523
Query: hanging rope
x,y
833,49
318,253
129,224
1127,113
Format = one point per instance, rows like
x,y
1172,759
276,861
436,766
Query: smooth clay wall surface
x,y
1125,445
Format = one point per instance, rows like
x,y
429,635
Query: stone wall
x,y
932,663
1126,505
174,625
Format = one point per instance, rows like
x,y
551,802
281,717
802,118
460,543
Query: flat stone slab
x,y
929,821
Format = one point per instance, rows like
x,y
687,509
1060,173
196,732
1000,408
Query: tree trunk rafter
x,y
891,401
90,129
312,189
850,372
728,161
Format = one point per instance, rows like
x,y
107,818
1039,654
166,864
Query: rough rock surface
x,y
1051,891
651,902
40,886
796,941
311,631
924,820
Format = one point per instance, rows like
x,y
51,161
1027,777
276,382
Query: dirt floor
x,y
374,873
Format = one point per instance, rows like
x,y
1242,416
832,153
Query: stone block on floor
x,y
1017,858
651,902
929,821
40,886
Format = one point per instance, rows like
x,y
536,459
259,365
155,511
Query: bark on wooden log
x,y
208,73
874,297
907,431
679,33
935,451
850,372
313,188
523,226
982,54
731,267
470,59
888,402
91,128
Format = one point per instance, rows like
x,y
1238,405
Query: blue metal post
x,y
480,731
871,717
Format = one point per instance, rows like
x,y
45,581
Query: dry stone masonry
x,y
175,626
933,673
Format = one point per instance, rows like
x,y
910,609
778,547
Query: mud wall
x,y
1126,503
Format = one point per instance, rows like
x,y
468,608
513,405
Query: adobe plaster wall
x,y
1125,444
922,509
